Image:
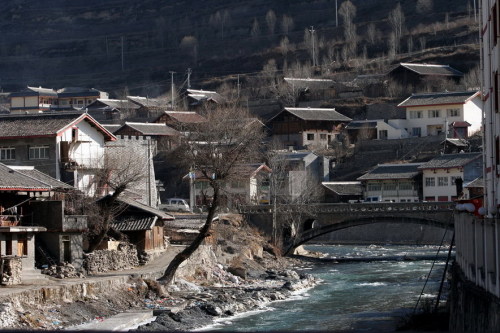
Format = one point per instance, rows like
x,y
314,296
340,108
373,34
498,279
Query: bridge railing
x,y
352,207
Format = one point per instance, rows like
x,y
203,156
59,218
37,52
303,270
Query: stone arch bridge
x,y
313,220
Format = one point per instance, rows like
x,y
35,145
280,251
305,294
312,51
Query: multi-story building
x,y
475,299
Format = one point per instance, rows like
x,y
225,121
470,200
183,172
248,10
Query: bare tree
x,y
255,31
286,24
347,11
422,41
214,150
409,43
397,22
117,173
222,18
372,33
271,21
284,45
472,79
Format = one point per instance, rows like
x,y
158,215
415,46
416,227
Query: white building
x,y
430,114
376,129
440,173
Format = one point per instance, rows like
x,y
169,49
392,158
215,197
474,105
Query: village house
x,y
393,182
307,127
68,146
440,175
196,99
111,110
182,121
376,129
166,137
419,75
299,174
143,225
457,113
249,186
36,100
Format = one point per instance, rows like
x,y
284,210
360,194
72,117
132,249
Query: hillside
x,y
117,44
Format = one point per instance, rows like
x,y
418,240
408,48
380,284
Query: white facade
x,y
439,185
430,120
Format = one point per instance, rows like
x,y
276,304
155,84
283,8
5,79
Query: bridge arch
x,y
313,232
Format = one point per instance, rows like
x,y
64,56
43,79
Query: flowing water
x,y
354,296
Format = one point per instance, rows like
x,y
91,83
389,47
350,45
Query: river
x,y
354,296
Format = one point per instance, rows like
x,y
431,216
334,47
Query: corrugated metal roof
x,y
317,114
392,171
134,223
450,161
431,69
438,98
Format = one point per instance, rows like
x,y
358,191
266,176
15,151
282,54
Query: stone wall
x,y
12,269
124,257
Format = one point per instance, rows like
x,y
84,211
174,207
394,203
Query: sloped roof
x,y
392,171
344,188
35,91
439,98
78,91
112,127
112,104
450,161
145,208
362,124
40,176
201,95
456,142
146,101
158,129
431,69
186,117
478,182
11,179
134,223
315,114
45,124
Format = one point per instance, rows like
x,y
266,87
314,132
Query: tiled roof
x,y
35,91
112,127
438,98
317,114
112,104
344,188
392,171
145,208
44,124
186,116
40,176
429,69
450,161
131,223
147,102
11,179
151,129
456,142
78,91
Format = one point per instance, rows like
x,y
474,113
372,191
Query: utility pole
x,y
123,66
336,15
238,86
312,41
172,99
189,77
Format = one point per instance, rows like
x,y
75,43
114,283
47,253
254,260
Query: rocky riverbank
x,y
203,305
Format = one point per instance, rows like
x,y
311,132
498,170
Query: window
x,y
237,184
442,181
39,153
7,153
390,187
405,186
374,187
416,114
382,134
453,112
322,137
430,181
310,136
433,113
416,131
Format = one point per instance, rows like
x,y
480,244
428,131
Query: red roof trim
x,y
93,122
